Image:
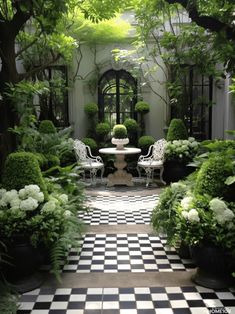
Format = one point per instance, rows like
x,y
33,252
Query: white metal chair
x,y
153,160
87,161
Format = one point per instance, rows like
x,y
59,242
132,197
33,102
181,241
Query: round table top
x,y
125,151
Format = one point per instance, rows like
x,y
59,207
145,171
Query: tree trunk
x,y
8,116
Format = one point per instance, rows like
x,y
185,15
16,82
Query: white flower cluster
x,y
191,214
181,148
222,213
27,199
56,202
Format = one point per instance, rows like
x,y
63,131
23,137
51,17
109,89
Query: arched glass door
x,y
117,96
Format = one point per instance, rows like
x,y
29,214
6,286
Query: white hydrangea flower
x,y
177,185
184,213
191,139
225,217
63,198
67,213
49,206
2,192
38,196
29,204
186,202
3,203
218,206
15,202
22,194
193,215
10,195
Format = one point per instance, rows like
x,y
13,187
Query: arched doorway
x,y
117,96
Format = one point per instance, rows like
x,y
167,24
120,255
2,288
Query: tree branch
x,y
39,68
207,22
29,45
19,19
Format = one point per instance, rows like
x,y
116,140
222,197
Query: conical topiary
x,y
177,130
22,168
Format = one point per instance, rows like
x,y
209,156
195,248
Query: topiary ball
x,y
90,142
212,175
142,107
145,141
91,109
131,125
102,128
46,127
22,169
177,130
119,131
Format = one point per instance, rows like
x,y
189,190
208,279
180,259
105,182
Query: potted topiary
x,y
91,110
177,130
132,129
180,150
142,108
120,136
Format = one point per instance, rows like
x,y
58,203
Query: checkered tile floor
x,y
115,210
155,300
125,253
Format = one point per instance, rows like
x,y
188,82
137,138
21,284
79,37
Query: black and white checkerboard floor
x,y
144,300
125,253
114,210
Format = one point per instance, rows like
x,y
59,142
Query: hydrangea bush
x,y
181,150
206,220
26,213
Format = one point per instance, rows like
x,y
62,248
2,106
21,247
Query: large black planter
x,y
23,263
175,171
214,267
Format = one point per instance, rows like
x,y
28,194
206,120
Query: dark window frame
x,y
113,78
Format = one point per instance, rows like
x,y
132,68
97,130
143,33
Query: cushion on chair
x,y
92,165
150,164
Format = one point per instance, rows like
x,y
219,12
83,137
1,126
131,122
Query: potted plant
x,y
178,154
120,136
208,225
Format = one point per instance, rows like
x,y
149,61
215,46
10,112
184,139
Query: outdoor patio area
x,y
123,267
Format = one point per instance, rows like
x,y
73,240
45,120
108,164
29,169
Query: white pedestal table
x,y
120,176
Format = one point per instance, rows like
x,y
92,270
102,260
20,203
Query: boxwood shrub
x,y
177,130
212,175
22,168
46,127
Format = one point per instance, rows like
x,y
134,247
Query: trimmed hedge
x,y
177,130
131,125
47,127
142,107
91,109
102,128
22,169
212,175
145,141
90,142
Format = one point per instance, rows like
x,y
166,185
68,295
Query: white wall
x,y
80,94
223,112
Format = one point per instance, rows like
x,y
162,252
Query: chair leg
x,y
139,172
102,173
93,176
161,173
148,176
